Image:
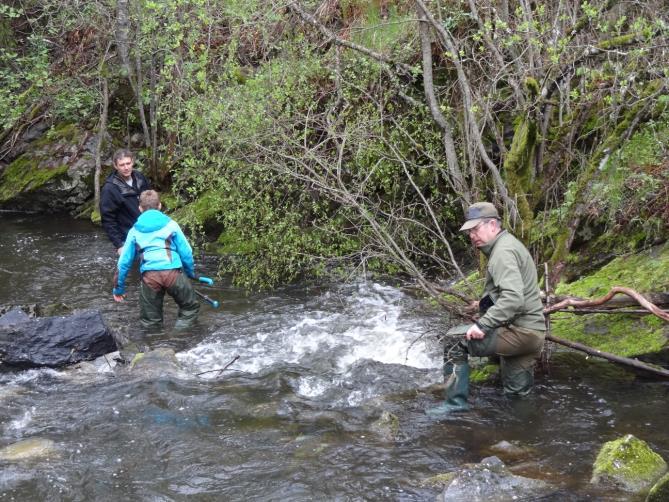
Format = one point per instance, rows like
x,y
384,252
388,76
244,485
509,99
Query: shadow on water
x,y
297,416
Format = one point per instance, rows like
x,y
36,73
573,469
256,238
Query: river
x,y
294,417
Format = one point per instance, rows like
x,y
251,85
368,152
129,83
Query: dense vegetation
x,y
319,137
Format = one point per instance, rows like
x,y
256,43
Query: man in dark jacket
x,y
119,200
511,325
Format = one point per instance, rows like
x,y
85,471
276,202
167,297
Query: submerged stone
x,y
490,480
629,464
387,426
28,449
161,361
511,451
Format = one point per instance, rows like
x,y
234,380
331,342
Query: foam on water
x,y
329,334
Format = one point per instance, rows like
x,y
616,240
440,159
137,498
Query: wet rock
x,y
158,362
14,316
102,364
308,447
31,310
510,451
660,491
628,464
28,449
54,341
440,480
387,426
490,480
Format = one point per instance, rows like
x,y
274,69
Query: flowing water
x,y
295,416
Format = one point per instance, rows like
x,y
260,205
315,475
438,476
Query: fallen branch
x,y
572,302
635,363
610,311
220,370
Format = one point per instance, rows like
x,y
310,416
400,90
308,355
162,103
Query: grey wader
x,y
517,348
152,294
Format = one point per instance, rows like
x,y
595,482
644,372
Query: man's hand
x,y
474,333
119,251
119,298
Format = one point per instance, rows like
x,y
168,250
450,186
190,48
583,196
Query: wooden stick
x,y
219,370
635,363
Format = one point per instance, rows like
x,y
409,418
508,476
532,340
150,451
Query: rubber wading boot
x,y
457,391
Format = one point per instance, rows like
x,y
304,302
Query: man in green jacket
x,y
511,323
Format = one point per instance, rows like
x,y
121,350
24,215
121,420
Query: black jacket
x,y
119,205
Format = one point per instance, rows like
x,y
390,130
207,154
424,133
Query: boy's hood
x,y
151,220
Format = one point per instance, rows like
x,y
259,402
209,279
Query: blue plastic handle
x,y
206,280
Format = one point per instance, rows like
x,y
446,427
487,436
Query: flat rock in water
x,y
491,481
53,341
28,449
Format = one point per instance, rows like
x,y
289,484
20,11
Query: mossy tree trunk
x,y
643,110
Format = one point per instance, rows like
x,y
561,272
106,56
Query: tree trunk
x,y
102,131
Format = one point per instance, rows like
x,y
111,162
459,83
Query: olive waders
x,y
151,303
517,348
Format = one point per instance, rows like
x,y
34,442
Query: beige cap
x,y
477,213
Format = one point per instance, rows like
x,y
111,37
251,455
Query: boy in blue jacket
x,y
165,258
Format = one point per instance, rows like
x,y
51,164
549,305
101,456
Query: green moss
x,y
472,286
25,175
205,208
618,334
233,243
645,272
628,463
95,217
483,373
518,167
61,133
625,335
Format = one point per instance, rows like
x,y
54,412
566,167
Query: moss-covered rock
x,y
626,335
481,374
629,464
26,175
56,174
660,491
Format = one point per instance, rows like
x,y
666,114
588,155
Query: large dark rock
x,y
52,341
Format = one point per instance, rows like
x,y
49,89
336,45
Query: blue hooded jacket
x,y
161,246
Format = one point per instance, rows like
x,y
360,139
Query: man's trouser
x,y
518,348
152,293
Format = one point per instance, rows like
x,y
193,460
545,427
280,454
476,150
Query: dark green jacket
x,y
511,282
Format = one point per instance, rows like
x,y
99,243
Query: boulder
x,y
628,464
55,173
52,341
490,480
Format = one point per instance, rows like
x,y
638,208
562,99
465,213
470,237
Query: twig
x,y
221,369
